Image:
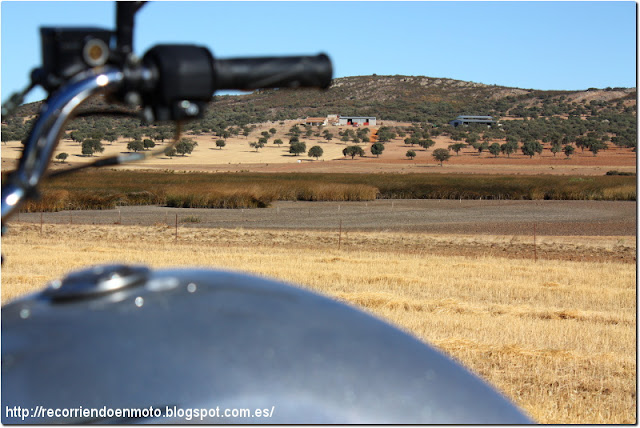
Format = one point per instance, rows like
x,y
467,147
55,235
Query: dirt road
x,y
552,218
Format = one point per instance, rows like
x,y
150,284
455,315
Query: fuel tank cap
x,y
96,281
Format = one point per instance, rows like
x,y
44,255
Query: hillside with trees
x,y
586,119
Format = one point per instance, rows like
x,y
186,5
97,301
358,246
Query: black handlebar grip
x,y
273,72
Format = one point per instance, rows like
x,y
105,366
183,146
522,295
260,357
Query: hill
x,y
426,99
411,106
407,99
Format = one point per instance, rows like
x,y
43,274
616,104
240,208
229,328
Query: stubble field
x,y
553,326
555,336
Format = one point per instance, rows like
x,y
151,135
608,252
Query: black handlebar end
x,y
273,72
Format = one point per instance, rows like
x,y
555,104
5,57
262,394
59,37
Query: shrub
x,y
62,157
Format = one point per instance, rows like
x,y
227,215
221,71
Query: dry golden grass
x,y
557,337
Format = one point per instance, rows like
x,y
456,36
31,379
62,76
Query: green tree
x,y
568,150
297,148
411,154
163,133
277,141
426,143
353,151
385,134
363,134
171,152
377,149
6,135
135,146
472,138
272,131
412,140
62,157
257,145
220,144
87,149
509,147
91,146
148,144
582,143
495,149
294,131
78,136
531,147
111,136
457,147
596,146
315,152
556,147
480,147
185,146
441,155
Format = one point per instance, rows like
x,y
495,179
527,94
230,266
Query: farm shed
x,y
357,120
315,121
466,120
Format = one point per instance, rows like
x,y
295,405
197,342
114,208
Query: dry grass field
x,y
558,337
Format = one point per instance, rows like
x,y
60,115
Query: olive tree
x,y
377,149
457,147
297,147
531,147
185,146
62,157
353,151
441,155
315,152
135,146
568,150
495,149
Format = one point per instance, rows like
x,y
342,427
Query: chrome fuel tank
x,y
190,345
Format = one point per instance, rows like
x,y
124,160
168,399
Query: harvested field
x,y
494,217
558,337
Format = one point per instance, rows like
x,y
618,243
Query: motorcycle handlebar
x,y
188,75
272,72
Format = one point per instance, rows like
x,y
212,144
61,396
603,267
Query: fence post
x,y
176,228
535,250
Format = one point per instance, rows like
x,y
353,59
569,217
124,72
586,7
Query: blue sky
x,y
538,45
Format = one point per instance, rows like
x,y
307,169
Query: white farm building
x,y
357,120
466,120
